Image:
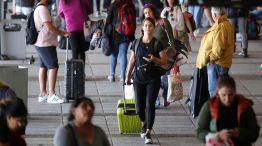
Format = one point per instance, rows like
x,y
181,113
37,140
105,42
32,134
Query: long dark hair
x,y
14,108
76,103
6,93
150,20
225,81
5,134
174,3
154,10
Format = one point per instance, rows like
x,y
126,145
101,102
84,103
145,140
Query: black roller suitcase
x,y
74,77
199,93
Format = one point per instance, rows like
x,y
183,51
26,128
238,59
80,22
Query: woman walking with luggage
x,y
161,29
146,51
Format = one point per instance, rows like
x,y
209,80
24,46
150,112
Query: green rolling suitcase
x,y
128,121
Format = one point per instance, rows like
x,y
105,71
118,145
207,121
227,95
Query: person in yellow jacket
x,y
216,48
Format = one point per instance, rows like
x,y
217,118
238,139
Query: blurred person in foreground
x,y
80,131
229,115
13,121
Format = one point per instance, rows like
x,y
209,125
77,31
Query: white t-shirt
x,y
45,37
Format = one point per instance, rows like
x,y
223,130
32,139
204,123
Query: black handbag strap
x,y
164,27
152,47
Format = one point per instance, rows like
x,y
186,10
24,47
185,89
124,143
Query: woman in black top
x,y
144,56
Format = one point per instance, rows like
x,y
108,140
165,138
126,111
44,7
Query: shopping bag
x,y
213,140
175,88
129,91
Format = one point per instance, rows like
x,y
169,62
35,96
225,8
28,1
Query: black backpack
x,y
126,19
31,32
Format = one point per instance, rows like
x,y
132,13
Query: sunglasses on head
x,y
149,6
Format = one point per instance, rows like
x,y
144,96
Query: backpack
x,y
253,28
31,31
180,57
126,19
171,55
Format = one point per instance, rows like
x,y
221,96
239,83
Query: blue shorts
x,y
47,57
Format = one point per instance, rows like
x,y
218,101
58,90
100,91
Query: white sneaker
x,y
54,99
197,32
42,98
103,14
143,135
148,139
96,14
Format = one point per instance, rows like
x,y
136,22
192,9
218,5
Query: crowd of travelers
x,y
226,114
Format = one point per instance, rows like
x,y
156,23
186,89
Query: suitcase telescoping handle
x,y
67,45
124,97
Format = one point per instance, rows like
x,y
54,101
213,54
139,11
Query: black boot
x,y
243,53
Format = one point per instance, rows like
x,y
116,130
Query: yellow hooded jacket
x,y
217,44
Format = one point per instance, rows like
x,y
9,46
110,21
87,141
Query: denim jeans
x,y
164,85
242,29
257,14
197,12
122,51
213,70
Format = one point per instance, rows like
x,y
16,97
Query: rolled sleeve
x,y
44,15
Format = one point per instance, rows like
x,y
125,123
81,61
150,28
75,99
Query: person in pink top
x,y
75,12
46,50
